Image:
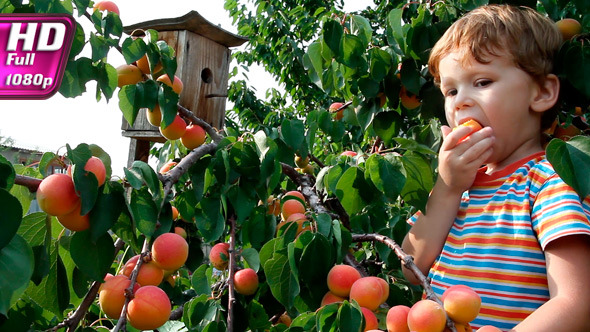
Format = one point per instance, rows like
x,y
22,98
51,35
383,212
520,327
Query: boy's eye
x,y
450,92
482,83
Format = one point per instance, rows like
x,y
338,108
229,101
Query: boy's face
x,y
496,94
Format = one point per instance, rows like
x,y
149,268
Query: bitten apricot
x,y
367,292
111,295
56,195
340,279
219,256
128,75
291,206
397,319
426,316
74,221
170,251
149,273
175,130
193,137
461,303
371,321
330,297
106,5
149,309
473,126
246,281
176,86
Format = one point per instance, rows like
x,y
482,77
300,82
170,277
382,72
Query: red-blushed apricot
x,y
219,256
170,251
291,206
568,27
349,153
488,328
330,297
180,231
426,316
371,321
193,137
74,221
95,166
299,219
301,162
167,167
144,66
408,99
246,281
175,213
461,303
128,75
473,126
334,108
175,130
397,319
111,295
106,5
154,116
384,288
367,292
340,279
56,195
149,273
176,86
296,194
149,309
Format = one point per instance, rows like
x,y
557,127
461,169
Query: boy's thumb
x,y
445,130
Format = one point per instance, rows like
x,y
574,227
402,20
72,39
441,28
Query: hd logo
x,y
34,50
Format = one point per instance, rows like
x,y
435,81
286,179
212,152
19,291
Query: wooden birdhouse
x,y
203,57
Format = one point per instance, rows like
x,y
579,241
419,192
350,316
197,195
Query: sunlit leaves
x,y
570,160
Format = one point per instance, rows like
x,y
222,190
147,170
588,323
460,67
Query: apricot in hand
x,y
473,126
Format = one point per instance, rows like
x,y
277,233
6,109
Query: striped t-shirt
x,y
496,244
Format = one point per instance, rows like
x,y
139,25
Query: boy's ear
x,y
547,94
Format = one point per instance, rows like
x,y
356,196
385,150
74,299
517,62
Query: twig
x,y
186,113
31,183
408,262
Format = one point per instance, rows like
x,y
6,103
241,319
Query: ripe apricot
x,y
349,153
367,292
56,195
128,74
175,213
74,221
473,126
301,162
295,193
106,5
144,66
285,319
167,167
426,316
180,231
111,295
290,207
149,273
408,99
154,116
175,130
170,251
219,256
149,309
330,297
461,303
176,86
96,167
298,219
488,328
371,321
384,288
193,137
334,107
340,279
397,319
246,281
274,205
568,27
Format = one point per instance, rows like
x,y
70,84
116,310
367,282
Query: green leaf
x,y
419,180
99,46
93,258
200,280
7,174
326,318
45,162
387,125
127,103
366,112
168,101
352,189
109,205
361,27
199,312
12,214
143,171
316,260
257,317
333,33
380,64
350,317
388,177
571,160
143,211
293,133
36,230
395,32
410,76
283,284
244,159
353,52
577,66
107,79
22,193
251,257
133,49
211,222
16,268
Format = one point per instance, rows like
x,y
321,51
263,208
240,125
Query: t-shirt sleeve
x,y
558,212
412,220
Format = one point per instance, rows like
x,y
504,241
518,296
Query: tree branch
x,y
171,177
26,181
186,113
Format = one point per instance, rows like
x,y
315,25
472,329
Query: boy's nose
x,y
463,100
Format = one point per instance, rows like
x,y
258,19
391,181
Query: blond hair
x,y
529,37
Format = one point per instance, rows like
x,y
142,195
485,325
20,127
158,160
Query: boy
x,y
512,230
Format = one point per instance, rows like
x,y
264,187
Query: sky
x,y
48,125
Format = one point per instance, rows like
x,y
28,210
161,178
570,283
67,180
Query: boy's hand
x,y
460,157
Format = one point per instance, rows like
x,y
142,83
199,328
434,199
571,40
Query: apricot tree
x,y
373,162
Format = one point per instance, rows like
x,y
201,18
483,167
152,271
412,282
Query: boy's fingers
x,y
445,130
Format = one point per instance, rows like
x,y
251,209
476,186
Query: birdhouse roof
x,y
194,22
